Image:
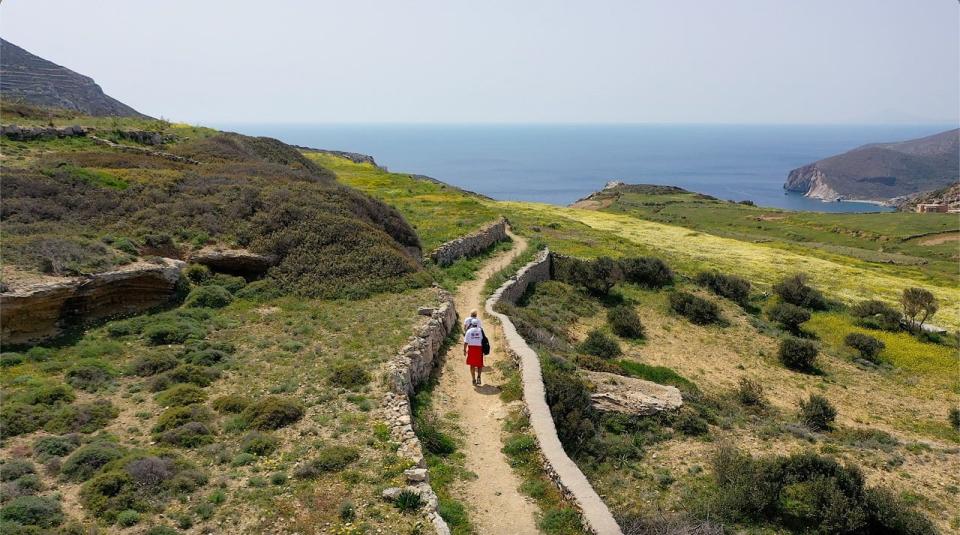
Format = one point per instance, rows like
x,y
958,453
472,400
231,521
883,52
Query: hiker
x,y
473,348
473,318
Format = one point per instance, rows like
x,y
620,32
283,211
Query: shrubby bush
x,y
697,309
10,359
231,403
173,331
56,446
789,316
209,296
569,400
177,416
230,283
919,305
46,393
750,392
877,315
868,346
152,364
12,469
32,511
184,374
596,276
259,443
90,375
197,273
954,418
81,417
329,459
206,357
110,492
817,413
798,354
795,290
188,435
646,271
87,460
272,412
181,395
600,344
349,374
17,418
736,289
433,439
625,322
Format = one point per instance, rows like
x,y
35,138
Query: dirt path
x,y
493,498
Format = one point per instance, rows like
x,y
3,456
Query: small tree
x,y
918,303
817,413
795,290
695,308
954,418
736,289
604,274
877,315
798,354
646,271
868,346
790,316
600,344
624,321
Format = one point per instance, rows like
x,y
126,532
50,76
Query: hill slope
x,y
882,171
32,79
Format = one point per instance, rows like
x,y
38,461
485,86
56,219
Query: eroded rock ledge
x,y
40,311
628,395
471,244
233,261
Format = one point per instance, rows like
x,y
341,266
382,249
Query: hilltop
x,y
27,78
882,171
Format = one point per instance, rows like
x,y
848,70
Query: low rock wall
x,y
471,244
42,311
412,366
561,469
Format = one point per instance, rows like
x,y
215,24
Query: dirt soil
x,y
493,497
941,238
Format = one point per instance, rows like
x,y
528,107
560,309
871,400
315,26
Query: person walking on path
x,y
467,323
473,349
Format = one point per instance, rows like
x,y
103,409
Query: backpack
x,y
485,343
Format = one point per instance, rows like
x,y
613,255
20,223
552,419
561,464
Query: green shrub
x,y
230,283
330,459
150,472
8,359
347,512
520,445
272,412
877,315
81,417
188,435
657,374
32,511
259,443
408,501
161,530
646,271
197,273
798,354
868,346
17,418
173,331
597,364
181,395
569,400
128,518
560,521
795,290
56,446
206,357
689,423
432,438
152,364
599,344
13,469
90,375
596,276
210,296
278,478
243,459
625,322
177,416
696,309
789,316
888,513
817,413
231,403
184,374
349,374
46,393
750,392
954,418
736,289
111,492
87,460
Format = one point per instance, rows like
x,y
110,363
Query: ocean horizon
x,y
560,163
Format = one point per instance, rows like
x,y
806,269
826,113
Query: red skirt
x,y
475,356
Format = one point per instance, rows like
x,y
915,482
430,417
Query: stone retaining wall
x,y
561,469
412,366
471,244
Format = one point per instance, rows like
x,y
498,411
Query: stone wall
x,y
412,366
39,311
564,472
471,244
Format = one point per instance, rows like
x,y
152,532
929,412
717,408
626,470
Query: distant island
x,y
882,172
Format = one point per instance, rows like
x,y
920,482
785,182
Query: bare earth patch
x,y
946,237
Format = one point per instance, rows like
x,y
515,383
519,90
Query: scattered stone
x,y
628,395
417,475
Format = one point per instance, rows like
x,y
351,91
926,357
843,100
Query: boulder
x,y
627,395
233,261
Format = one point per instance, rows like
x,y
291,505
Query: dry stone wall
x,y
412,366
561,469
471,244
41,311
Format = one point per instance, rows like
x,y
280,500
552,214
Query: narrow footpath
x,y
493,499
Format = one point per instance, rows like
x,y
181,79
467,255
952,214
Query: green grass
x,y
438,212
656,374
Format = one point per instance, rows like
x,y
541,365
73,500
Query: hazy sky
x,y
729,61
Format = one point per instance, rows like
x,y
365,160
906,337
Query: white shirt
x,y
468,321
473,337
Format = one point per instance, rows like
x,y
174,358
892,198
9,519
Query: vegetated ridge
x,y
949,195
882,171
34,80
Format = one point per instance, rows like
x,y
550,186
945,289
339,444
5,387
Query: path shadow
x,y
487,390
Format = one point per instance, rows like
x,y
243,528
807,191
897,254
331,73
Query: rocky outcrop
x,y
409,368
557,464
354,157
882,172
627,395
34,80
145,137
41,311
471,244
32,133
233,261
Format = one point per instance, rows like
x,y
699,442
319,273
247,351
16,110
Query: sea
x,y
560,163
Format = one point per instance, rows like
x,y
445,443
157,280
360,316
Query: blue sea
x,y
561,163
